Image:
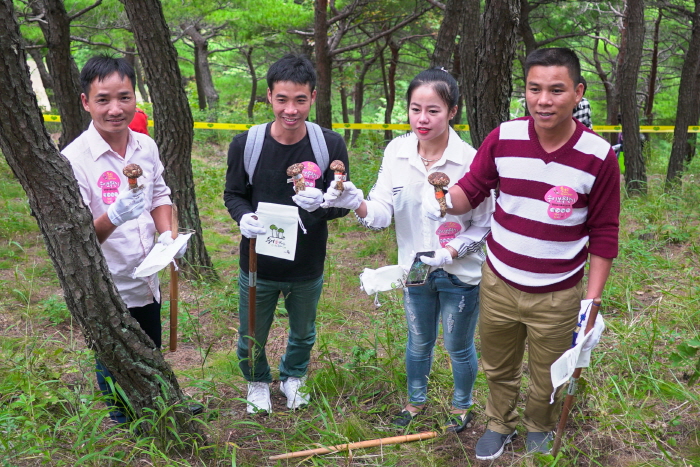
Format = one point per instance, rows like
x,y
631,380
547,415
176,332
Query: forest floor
x,y
634,406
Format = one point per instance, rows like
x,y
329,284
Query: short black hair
x,y
295,68
101,66
555,56
582,80
441,81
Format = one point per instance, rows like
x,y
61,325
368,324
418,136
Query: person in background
x,y
582,112
140,122
450,295
291,90
558,208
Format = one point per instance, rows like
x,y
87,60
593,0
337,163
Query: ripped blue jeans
x,y
443,297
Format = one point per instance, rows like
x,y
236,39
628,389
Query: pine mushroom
x,y
132,172
295,171
439,181
339,168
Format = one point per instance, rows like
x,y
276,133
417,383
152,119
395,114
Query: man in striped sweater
x,y
558,206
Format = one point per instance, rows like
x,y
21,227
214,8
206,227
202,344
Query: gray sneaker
x,y
539,442
490,445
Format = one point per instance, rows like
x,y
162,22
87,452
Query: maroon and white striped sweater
x,y
553,208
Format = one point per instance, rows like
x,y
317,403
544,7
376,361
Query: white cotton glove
x,y
309,199
128,205
350,198
250,226
596,331
431,207
441,258
166,238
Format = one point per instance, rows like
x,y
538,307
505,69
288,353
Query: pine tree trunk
x,y
468,46
494,67
324,115
173,122
391,88
46,80
208,97
633,41
445,43
55,26
248,54
687,96
67,227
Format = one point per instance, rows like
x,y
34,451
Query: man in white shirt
x,y
126,220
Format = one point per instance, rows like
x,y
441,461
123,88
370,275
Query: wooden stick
x,y
359,445
174,283
573,383
252,292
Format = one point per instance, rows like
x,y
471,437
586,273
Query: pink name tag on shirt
x,y
109,182
561,201
311,173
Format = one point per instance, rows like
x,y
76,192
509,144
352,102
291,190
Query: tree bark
x,y
649,106
391,87
55,25
494,67
67,227
324,114
445,43
359,91
688,90
633,42
173,122
248,54
468,46
208,97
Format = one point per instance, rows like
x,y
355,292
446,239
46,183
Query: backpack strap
x,y
253,148
318,145
256,137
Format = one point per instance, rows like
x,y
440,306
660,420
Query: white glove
x,y
166,238
431,207
350,198
309,199
128,205
250,226
596,331
441,258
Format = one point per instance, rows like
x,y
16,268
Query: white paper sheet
x,y
562,369
160,256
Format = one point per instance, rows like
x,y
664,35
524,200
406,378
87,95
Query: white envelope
x,y
160,256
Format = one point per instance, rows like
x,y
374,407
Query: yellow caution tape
x,y
401,126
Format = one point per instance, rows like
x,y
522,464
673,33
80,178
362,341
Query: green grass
x,y
634,406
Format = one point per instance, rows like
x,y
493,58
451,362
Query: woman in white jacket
x,y
451,291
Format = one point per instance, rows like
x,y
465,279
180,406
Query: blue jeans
x,y
300,300
442,296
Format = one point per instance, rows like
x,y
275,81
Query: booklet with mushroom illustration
x,y
281,222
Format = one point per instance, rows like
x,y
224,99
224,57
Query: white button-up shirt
x,y
98,170
402,184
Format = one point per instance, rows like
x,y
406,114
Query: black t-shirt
x,y
270,185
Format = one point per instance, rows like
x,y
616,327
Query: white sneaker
x,y
296,391
258,397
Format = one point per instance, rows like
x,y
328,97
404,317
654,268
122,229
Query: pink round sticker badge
x,y
561,201
311,173
109,182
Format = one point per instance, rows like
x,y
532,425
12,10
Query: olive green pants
x,y
509,318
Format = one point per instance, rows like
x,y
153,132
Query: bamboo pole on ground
x,y
359,445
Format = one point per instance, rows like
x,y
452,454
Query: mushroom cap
x,y
132,171
295,169
337,166
438,179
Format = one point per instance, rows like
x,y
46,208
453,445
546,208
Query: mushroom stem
x,y
439,181
296,172
339,170
440,197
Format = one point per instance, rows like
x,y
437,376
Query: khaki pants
x,y
509,317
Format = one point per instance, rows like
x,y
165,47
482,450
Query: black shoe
x,y
456,423
404,418
195,409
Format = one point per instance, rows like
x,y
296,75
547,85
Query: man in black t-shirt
x,y
291,82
